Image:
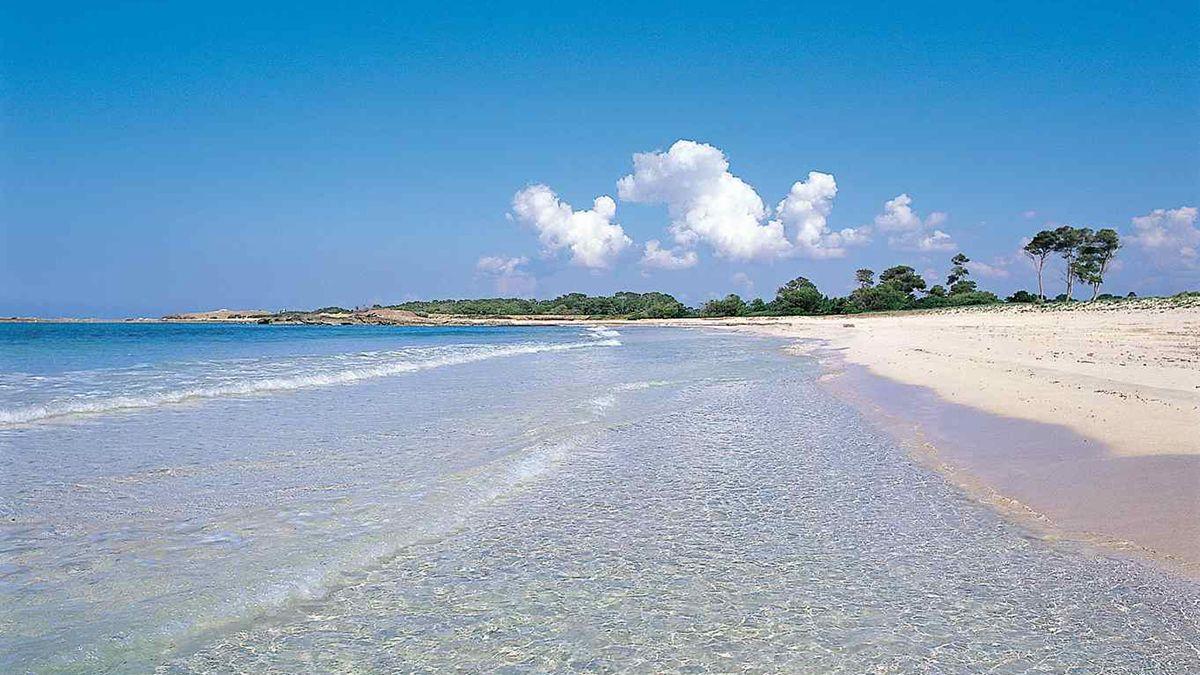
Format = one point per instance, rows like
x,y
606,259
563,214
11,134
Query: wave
x,y
64,408
603,332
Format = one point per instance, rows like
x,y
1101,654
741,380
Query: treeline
x,y
1086,256
624,304
897,288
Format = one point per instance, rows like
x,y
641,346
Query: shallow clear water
x,y
533,499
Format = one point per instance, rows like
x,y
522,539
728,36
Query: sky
x,y
162,157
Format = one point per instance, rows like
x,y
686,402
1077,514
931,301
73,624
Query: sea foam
x,y
384,364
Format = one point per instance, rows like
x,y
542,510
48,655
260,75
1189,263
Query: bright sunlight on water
x,y
288,499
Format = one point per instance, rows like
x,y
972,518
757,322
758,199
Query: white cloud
x,y
854,236
591,236
507,274
1029,215
909,232
1170,236
743,281
997,269
926,243
492,264
706,202
898,216
664,259
805,211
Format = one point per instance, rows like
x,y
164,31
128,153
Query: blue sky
x,y
161,157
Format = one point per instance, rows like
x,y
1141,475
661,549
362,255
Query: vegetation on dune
x,y
624,304
1022,296
730,305
1086,255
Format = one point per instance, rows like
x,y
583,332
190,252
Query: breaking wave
x,y
381,365
602,332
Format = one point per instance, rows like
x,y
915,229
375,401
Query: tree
x,y
883,297
1039,248
798,296
864,278
958,270
963,286
903,278
1086,271
1066,244
1022,296
937,292
835,306
1096,252
730,305
957,279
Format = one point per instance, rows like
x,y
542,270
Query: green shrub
x,y
623,304
1022,296
730,305
798,296
884,297
959,300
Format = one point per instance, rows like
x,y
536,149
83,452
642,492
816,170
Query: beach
x,y
1122,378
200,497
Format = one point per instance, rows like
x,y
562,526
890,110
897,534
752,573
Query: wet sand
x,y
1063,484
1086,419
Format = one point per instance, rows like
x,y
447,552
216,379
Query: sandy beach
x,y
1117,386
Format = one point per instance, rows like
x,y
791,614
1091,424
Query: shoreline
x,y
960,390
966,457
1106,398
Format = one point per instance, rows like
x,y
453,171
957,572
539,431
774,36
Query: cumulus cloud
x,y
592,238
928,243
997,269
908,231
898,216
1169,236
494,264
705,201
507,274
667,259
805,211
709,204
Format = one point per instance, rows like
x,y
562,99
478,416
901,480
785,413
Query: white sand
x,y
1125,374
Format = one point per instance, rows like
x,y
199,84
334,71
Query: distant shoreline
x,y
383,316
331,320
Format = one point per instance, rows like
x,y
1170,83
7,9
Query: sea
x,y
242,498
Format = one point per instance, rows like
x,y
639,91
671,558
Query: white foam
x,y
602,331
601,404
63,408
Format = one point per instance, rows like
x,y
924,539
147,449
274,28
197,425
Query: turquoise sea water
x,y
263,498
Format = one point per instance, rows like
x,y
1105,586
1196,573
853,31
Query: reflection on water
x,y
683,502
